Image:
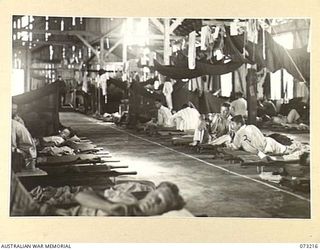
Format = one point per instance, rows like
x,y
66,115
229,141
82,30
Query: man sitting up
x,y
216,126
251,139
188,118
239,105
163,118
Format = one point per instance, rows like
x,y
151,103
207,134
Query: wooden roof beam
x,y
113,47
88,45
113,30
59,32
158,24
176,23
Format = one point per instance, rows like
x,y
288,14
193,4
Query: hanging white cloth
x,y
103,83
167,91
234,29
205,33
152,56
215,33
252,31
85,82
192,50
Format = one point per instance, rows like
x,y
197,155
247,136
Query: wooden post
x,y
124,50
101,53
252,96
166,52
27,83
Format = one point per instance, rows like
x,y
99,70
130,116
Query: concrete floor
x,y
210,187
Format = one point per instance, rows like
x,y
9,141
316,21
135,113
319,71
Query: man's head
x,y
158,103
225,110
67,133
210,116
276,119
237,122
14,109
165,198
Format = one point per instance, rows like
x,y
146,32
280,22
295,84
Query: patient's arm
x,y
92,200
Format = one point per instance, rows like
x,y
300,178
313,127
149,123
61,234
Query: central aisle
x,y
208,188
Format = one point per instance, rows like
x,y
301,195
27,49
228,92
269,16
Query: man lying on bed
x,y
65,134
58,144
292,120
252,140
122,202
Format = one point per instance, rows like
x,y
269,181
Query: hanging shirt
x,y
85,83
152,56
164,117
186,119
239,107
103,83
205,33
240,83
167,91
192,50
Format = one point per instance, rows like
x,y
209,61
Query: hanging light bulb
x,y
108,45
19,23
62,25
73,21
51,52
81,20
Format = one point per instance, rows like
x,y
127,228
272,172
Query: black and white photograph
x,y
165,117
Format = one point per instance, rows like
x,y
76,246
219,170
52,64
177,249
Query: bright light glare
x,y
17,82
285,40
136,32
